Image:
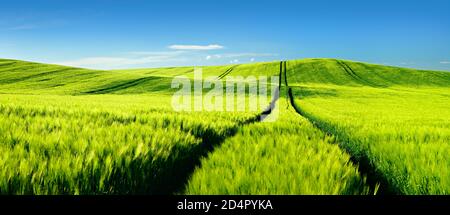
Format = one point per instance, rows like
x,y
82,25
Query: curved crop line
x,y
19,68
10,81
375,180
7,64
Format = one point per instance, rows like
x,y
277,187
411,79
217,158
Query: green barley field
x,y
338,127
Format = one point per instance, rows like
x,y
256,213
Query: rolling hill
x,y
341,127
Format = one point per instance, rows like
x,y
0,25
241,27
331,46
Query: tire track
x,y
285,76
266,112
228,71
212,143
120,86
353,74
376,182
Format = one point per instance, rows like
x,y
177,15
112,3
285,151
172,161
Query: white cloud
x,y
196,47
444,62
127,59
117,62
135,59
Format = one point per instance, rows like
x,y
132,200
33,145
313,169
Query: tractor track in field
x,y
375,180
264,114
350,71
123,85
120,86
228,71
355,76
210,144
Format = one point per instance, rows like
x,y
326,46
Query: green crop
x,y
288,156
396,121
358,126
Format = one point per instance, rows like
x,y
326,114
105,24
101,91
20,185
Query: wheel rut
x,y
228,71
376,183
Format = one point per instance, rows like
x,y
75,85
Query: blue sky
x,y
130,34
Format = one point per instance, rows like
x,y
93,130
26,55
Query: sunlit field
x,y
396,120
347,128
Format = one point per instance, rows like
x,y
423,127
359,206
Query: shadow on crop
x,y
304,92
138,85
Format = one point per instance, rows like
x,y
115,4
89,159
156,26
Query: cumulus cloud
x,y
234,61
196,47
208,57
252,59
